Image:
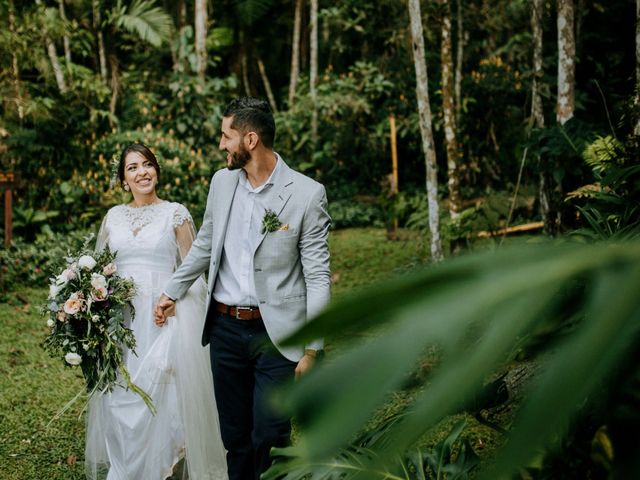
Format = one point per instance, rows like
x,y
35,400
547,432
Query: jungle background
x,y
513,117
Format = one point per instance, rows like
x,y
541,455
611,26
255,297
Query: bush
x,y
354,213
31,263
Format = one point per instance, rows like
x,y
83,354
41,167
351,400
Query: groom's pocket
x,y
295,297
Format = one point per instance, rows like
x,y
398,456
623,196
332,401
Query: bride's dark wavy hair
x,y
142,150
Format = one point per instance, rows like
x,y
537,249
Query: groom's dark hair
x,y
252,114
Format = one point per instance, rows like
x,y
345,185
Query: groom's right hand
x,y
165,307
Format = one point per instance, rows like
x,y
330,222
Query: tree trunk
x,y
546,193
245,70
267,85
295,52
14,63
115,87
313,69
55,64
566,62
424,110
459,57
537,114
67,44
448,108
97,26
636,130
201,37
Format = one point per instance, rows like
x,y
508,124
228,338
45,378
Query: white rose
x,y
98,281
86,261
69,273
61,281
73,358
50,323
54,290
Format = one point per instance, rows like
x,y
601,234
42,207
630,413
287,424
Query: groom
x,y
264,240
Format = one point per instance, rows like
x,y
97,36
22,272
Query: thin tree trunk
x,y
636,130
313,69
566,62
295,52
97,26
67,43
14,63
178,54
267,85
115,87
459,58
245,70
448,108
537,114
201,37
55,64
424,110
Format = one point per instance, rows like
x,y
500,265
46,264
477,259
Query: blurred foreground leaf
x,y
479,310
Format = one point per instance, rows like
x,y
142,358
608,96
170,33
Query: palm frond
x,y
150,22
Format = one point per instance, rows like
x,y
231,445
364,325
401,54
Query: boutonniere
x,y
271,222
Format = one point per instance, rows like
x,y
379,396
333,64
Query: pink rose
x,y
100,293
74,304
109,269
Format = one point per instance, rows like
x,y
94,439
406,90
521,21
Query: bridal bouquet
x,y
86,318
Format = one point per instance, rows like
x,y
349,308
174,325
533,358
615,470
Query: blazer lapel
x,y
279,194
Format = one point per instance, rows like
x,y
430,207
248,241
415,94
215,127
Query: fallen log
x,y
527,227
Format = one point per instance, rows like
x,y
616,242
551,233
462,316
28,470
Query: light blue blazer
x,y
291,267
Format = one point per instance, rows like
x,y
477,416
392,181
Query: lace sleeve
x,y
103,235
185,231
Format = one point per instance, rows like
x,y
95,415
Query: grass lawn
x,y
34,386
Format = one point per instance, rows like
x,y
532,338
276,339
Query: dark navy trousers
x,y
246,368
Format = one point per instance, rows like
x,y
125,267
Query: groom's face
x,y
232,141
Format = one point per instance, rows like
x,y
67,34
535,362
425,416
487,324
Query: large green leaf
x,y
478,309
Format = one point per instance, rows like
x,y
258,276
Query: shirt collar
x,y
244,181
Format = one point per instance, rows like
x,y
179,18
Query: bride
x,y
125,441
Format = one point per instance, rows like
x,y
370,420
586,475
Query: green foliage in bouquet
x,y
87,309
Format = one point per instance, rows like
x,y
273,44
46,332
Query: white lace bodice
x,y
146,236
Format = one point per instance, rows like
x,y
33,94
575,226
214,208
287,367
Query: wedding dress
x,y
125,441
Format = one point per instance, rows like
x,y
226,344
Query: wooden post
x,y
6,183
394,155
394,168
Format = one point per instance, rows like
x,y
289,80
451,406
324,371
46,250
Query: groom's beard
x,y
239,159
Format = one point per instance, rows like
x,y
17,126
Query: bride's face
x,y
140,174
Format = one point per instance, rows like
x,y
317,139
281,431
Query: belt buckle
x,y
238,309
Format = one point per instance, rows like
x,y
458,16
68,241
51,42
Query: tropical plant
x,y
611,205
438,462
480,310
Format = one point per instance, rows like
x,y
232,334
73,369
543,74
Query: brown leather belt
x,y
239,313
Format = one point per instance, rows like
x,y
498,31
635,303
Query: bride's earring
x,y
126,187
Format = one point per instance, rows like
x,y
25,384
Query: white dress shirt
x,y
235,284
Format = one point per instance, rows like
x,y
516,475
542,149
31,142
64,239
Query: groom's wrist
x,y
310,352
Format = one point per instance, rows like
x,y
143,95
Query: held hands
x,y
164,308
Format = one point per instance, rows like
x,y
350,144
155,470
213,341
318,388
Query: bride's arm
x,y
103,235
